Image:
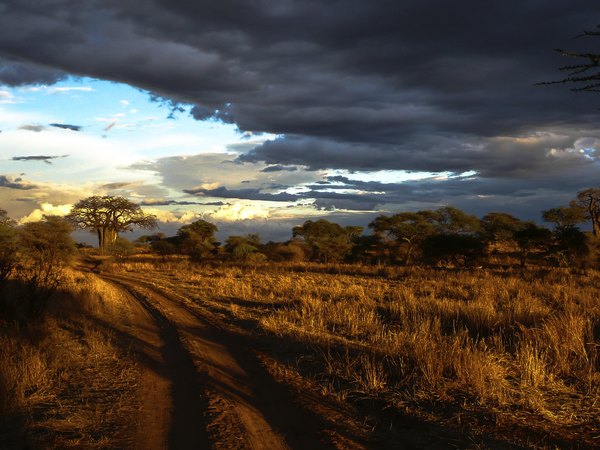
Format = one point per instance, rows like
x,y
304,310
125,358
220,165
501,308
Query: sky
x,y
260,115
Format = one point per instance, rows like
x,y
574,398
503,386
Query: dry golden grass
x,y
511,348
64,382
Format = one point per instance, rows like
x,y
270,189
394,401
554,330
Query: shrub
x,y
46,248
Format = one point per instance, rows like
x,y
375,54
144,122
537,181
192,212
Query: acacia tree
x,y
450,220
530,239
564,216
499,227
108,216
198,239
584,76
328,241
410,228
588,200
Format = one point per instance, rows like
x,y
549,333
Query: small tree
x,y
46,247
564,216
292,251
108,216
198,239
570,246
405,229
584,76
531,238
588,201
499,227
450,220
9,244
121,248
329,241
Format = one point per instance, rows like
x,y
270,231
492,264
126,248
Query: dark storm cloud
x,y
44,158
66,126
248,194
279,168
179,203
423,86
17,73
5,182
494,156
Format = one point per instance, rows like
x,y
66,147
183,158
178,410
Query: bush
x,y
163,247
455,249
9,245
289,252
121,248
46,248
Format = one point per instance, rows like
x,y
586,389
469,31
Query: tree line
x,y
35,254
446,236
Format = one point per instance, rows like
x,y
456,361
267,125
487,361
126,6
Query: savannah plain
x,y
148,349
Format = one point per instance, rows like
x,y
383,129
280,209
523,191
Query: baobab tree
x,y
108,216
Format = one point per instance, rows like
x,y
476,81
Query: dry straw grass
x,y
64,382
521,347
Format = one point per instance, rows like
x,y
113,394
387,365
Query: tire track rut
x,y
220,390
185,406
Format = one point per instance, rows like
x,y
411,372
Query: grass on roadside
x,y
64,382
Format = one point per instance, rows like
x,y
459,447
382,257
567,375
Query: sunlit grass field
x,y
486,351
513,354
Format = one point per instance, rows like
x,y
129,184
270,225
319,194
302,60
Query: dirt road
x,y
204,387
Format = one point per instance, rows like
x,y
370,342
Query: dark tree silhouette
x,y
499,227
531,238
570,246
588,200
456,249
108,216
450,220
564,216
585,76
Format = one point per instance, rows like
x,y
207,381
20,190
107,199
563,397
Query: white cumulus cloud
x,y
238,211
46,209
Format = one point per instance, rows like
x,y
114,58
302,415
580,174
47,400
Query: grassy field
x,y
64,381
511,354
514,354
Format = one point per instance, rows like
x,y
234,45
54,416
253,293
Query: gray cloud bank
x,y
412,85
17,183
